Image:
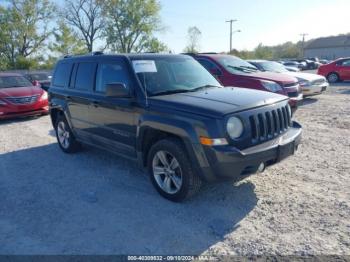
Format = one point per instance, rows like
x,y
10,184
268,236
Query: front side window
x,y
346,63
85,76
109,73
165,75
14,81
236,65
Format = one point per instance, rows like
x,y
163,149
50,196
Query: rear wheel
x,y
333,78
65,137
171,172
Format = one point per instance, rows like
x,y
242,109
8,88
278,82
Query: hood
x,y
20,91
306,76
216,101
276,77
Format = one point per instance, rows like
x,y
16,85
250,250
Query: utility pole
x,y
302,44
231,21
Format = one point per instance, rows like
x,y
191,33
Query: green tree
x,y
263,52
154,45
24,26
130,25
194,35
85,16
66,41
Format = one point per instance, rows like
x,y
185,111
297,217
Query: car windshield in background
x,y
169,75
236,65
273,67
13,81
38,77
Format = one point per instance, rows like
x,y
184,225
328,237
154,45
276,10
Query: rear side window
x,y
346,63
207,64
62,74
85,76
113,72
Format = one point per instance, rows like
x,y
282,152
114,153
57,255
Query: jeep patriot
x,y
169,114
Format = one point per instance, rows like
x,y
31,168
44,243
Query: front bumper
x,y
227,162
314,89
294,102
12,111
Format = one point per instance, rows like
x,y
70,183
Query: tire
x,y
171,171
333,78
65,137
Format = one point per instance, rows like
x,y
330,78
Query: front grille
x,y
23,100
293,94
318,82
270,124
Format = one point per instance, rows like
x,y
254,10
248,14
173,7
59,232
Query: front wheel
x,y
333,78
171,172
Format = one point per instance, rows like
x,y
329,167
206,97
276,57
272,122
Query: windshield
x,y
236,65
13,81
273,67
166,75
38,77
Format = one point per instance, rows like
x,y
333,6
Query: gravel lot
x,y
96,203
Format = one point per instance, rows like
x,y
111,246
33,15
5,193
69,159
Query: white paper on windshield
x,y
144,66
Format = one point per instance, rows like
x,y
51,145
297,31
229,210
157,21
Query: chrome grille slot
x,y
269,124
23,100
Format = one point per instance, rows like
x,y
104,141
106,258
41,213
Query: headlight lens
x,y
304,83
44,96
234,127
271,86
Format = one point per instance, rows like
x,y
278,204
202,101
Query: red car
x,y
233,71
338,70
18,97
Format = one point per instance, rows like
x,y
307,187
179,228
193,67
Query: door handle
x,y
68,97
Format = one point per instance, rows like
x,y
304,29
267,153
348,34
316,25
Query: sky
x,y
269,22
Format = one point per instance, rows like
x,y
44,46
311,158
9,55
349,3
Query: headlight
x,y
234,127
304,83
44,96
271,86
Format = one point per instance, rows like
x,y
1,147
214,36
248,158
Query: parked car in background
x,y
309,64
171,116
324,61
311,84
38,78
338,70
300,66
291,69
18,97
233,71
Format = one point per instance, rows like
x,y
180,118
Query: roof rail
x,y
208,53
97,53
191,54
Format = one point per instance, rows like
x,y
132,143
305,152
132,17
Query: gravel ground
x,y
96,203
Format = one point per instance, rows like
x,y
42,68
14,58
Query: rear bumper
x,y
315,89
227,162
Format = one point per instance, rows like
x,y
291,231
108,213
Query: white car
x,y
311,84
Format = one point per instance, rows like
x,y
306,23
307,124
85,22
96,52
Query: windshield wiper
x,y
243,68
203,87
169,92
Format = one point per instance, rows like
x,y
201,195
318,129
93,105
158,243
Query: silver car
x,y
311,84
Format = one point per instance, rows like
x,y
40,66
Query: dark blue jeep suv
x,y
170,115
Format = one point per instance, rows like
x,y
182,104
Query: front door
x,y
113,119
344,69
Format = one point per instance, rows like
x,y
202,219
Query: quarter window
x,y
62,74
108,73
85,76
346,63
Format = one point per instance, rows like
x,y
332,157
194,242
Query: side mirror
x,y
215,72
45,87
117,90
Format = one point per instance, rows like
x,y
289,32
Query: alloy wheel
x,y
63,134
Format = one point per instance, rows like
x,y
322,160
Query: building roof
x,y
331,41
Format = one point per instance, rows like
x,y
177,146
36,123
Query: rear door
x,y
80,95
113,119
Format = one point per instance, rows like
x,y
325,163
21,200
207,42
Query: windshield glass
x,y
39,76
166,75
13,81
236,65
273,67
